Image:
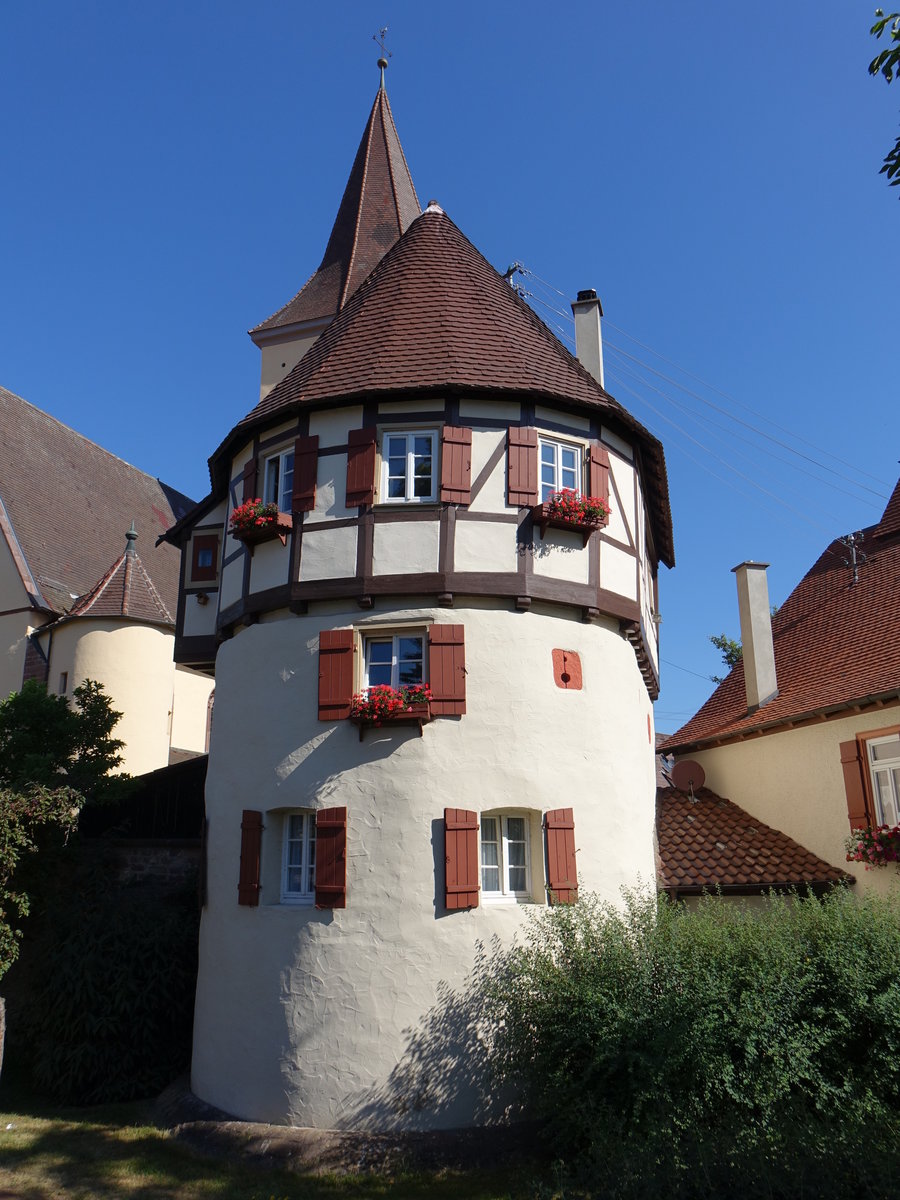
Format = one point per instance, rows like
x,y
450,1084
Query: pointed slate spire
x,y
378,205
125,590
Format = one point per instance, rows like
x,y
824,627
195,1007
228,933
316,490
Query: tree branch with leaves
x,y
887,64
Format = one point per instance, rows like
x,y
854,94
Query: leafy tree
x,y
53,757
731,652
887,63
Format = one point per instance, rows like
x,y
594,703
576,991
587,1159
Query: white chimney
x,y
588,342
756,634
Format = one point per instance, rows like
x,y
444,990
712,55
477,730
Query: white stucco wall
x,y
134,664
793,781
304,1014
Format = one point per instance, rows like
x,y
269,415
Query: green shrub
x,y
720,1051
111,986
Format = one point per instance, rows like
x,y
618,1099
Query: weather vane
x,y
378,39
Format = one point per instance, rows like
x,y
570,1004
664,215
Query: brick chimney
x,y
756,634
588,342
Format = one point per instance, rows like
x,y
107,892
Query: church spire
x,y
378,205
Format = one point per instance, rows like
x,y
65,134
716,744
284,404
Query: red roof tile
x,y
836,642
378,205
435,316
125,590
69,503
706,841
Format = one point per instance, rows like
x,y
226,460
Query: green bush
x,y
720,1051
111,986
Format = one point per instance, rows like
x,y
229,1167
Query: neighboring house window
x,y
63,682
394,661
560,464
884,771
298,866
408,461
504,856
278,482
204,557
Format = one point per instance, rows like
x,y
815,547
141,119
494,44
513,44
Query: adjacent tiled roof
x,y
378,205
435,316
125,590
69,503
709,842
836,642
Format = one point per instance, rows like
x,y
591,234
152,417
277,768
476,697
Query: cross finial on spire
x,y
378,38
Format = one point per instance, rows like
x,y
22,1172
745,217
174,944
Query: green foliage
x,y
731,651
718,1052
52,757
111,995
887,64
23,814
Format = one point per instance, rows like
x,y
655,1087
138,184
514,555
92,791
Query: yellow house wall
x,y
189,710
793,781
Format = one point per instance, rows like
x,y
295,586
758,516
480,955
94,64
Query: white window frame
x,y
886,767
409,496
307,842
370,637
506,893
559,482
279,463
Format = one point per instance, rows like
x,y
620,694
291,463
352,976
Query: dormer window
x,y
408,461
560,464
278,481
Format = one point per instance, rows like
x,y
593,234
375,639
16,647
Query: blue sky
x,y
170,174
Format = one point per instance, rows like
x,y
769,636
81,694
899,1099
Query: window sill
x,y
492,898
417,714
546,521
280,528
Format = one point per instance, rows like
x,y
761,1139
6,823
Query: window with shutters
x,y
298,858
408,466
204,557
505,856
394,661
278,480
560,466
883,755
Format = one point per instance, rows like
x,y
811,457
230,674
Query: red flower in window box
x,y
874,847
383,704
253,522
568,509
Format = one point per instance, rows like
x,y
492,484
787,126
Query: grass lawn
x,y
111,1153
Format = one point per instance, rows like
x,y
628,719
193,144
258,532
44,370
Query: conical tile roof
x,y
378,205
125,590
435,316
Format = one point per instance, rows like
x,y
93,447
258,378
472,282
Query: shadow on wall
x,y
444,1079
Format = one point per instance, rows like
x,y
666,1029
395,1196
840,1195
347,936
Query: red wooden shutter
x,y
360,467
456,465
251,840
598,474
447,670
853,764
248,481
562,873
331,858
461,858
306,464
335,674
521,466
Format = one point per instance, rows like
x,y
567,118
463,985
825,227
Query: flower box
x,y
383,705
875,847
416,714
551,515
265,528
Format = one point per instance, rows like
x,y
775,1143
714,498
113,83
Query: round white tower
x,y
469,526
